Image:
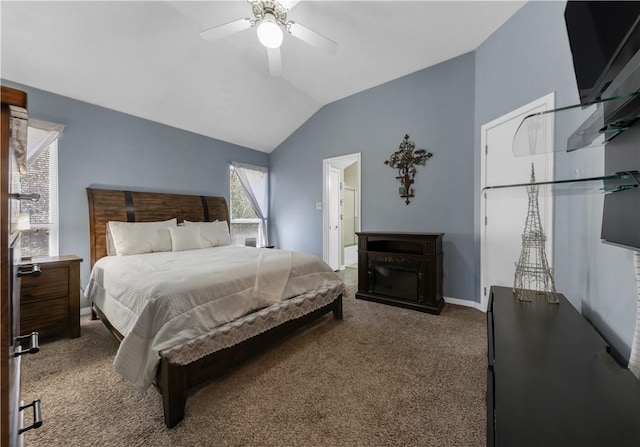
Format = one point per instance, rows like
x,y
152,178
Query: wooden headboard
x,y
132,206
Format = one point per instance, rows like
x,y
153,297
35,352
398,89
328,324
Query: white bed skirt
x,y
249,326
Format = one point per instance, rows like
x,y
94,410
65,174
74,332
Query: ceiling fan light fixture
x,y
269,32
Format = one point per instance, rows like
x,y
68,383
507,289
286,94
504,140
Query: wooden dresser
x,y
13,136
401,269
50,302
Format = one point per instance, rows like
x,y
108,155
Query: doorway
x,y
504,211
341,210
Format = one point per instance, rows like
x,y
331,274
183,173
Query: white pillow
x,y
213,233
185,238
111,249
132,238
224,238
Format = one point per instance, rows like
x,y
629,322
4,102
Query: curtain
x,y
255,182
18,135
634,359
40,135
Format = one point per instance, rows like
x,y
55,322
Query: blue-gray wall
x,y
525,59
435,107
105,148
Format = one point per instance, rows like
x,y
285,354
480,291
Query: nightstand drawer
x,y
50,303
52,283
47,317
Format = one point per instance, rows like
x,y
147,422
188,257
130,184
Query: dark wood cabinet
x,y
50,302
551,381
401,269
13,132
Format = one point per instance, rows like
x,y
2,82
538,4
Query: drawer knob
x,y
32,270
37,417
33,344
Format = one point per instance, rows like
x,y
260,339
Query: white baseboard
x,y
85,311
459,302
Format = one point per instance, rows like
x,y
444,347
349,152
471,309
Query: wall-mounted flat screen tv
x,y
603,36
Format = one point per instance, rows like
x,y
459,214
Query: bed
x,y
227,323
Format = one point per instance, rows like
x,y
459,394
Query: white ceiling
x,y
147,58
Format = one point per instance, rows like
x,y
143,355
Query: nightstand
x,y
50,302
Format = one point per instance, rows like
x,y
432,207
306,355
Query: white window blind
x,y
41,239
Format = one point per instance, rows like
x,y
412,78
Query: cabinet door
x,y
13,137
14,362
13,118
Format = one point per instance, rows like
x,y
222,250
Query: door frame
x,y
548,101
339,162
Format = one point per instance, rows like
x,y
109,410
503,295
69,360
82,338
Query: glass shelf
x,y
622,181
534,133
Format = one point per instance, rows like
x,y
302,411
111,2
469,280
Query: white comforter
x,y
159,300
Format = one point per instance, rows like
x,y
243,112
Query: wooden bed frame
x,y
174,380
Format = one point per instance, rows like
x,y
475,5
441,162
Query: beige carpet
x,y
383,376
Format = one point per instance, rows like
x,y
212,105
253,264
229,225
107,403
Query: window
x,y
245,221
41,178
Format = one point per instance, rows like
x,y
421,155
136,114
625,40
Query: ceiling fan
x,y
270,18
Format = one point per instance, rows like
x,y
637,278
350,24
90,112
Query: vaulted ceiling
x,y
147,58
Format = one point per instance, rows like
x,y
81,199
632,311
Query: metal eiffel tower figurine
x,y
533,274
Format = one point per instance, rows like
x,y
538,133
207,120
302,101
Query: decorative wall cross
x,y
404,160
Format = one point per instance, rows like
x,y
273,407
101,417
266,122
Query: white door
x,y
504,211
332,250
334,219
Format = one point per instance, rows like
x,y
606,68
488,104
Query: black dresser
x,y
551,381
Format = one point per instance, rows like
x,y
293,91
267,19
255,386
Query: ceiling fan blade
x,y
311,37
220,31
289,3
275,61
